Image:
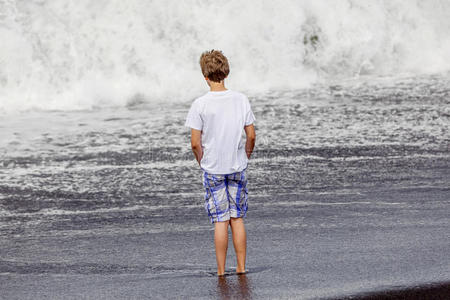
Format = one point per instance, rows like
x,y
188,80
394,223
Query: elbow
x,y
251,137
196,146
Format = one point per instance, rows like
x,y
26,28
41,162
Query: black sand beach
x,y
349,199
431,291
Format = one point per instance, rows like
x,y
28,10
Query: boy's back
x,y
221,116
217,121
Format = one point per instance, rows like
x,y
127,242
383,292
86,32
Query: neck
x,y
217,86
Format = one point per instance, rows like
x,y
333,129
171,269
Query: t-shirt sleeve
x,y
249,116
193,119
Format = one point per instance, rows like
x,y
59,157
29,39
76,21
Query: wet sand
x,y
438,291
335,251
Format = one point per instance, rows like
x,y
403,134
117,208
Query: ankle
x,y
220,271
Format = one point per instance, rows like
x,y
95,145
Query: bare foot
x,y
238,272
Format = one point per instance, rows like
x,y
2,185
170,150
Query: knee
x,y
236,220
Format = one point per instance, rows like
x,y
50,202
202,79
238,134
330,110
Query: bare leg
x,y
239,242
221,242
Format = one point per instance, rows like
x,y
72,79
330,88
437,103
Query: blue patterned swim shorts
x,y
225,195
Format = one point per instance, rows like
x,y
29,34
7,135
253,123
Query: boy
x,y
217,120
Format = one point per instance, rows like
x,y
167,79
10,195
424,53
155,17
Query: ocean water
x,y
349,192
349,184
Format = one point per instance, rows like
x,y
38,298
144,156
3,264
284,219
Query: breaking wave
x,y
70,55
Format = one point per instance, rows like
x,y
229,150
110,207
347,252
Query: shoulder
x,y
199,101
241,96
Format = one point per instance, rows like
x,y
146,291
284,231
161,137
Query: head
x,y
214,65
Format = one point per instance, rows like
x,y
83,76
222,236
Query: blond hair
x,y
214,65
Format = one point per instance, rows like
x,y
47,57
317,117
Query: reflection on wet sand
x,y
228,287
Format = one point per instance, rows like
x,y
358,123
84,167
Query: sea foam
x,y
70,55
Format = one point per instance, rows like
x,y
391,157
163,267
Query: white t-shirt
x,y
221,116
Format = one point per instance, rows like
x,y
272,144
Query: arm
x,y
196,144
251,137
